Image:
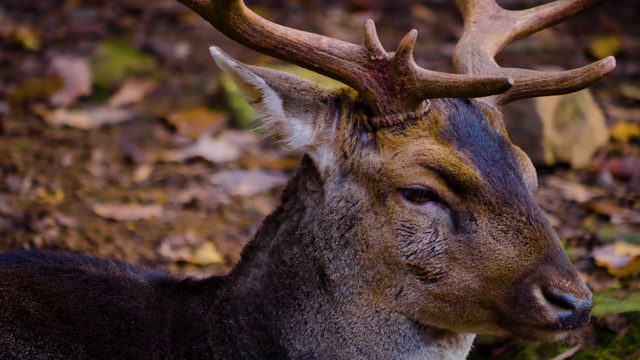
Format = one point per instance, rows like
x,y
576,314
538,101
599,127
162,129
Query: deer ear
x,y
301,113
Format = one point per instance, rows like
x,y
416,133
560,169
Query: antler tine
x,y
391,85
488,28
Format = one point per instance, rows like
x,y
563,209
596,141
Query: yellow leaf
x,y
624,131
28,37
620,259
51,198
606,45
207,254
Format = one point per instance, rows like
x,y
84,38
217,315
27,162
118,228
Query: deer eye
x,y
419,195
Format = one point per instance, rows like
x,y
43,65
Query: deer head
x,y
416,200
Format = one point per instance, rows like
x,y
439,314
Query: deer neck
x,y
297,281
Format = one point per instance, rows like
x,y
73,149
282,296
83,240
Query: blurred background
x,y
120,138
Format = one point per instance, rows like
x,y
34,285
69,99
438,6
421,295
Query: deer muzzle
x,y
548,302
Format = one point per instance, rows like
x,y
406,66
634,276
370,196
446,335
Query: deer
x,y
409,227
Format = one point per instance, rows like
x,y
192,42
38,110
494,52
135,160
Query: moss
x,y
607,346
613,346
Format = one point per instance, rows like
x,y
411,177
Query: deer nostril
x,y
573,312
561,301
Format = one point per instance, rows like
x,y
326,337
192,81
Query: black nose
x,y
572,311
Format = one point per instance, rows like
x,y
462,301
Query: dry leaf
x,y
247,182
28,37
195,122
207,254
606,45
573,191
75,73
574,128
228,146
122,212
133,91
84,119
34,89
624,131
620,259
189,247
630,91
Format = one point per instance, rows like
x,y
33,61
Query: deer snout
x,y
572,311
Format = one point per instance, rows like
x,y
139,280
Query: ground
x,y
132,177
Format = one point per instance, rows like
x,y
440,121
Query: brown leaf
x,y
189,247
133,91
604,207
124,212
75,73
247,182
34,90
84,119
193,123
228,146
573,191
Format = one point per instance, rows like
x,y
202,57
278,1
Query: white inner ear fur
x,y
298,134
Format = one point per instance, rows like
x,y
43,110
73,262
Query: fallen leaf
x,y
85,119
207,254
34,89
127,212
573,116
606,45
247,183
189,247
193,123
620,259
51,198
604,207
573,191
624,131
228,146
630,91
75,73
133,91
28,37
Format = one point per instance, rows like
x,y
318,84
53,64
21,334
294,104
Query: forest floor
x,y
120,138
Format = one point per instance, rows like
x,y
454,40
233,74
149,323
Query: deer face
x,y
447,226
456,199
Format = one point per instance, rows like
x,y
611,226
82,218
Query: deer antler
x,y
488,28
393,85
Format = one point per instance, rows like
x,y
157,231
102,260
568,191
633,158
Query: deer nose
x,y
572,311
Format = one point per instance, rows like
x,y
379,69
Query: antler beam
x,y
488,28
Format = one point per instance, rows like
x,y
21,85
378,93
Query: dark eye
x,y
419,195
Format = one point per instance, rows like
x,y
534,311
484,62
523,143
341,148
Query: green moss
x,y
114,61
614,347
607,346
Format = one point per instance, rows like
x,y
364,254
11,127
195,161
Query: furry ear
x,y
301,113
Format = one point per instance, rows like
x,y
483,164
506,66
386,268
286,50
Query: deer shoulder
x,y
409,227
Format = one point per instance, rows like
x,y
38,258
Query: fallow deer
x,y
409,227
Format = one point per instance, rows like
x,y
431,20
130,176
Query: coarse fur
x,y
348,267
